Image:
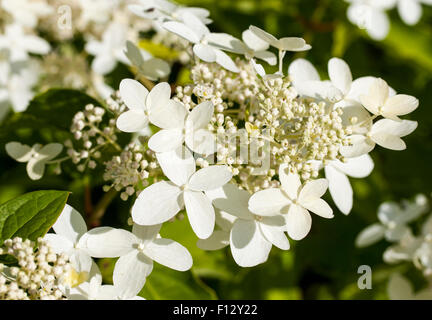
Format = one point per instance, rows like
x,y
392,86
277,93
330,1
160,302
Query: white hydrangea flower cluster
x,y
372,14
39,275
239,150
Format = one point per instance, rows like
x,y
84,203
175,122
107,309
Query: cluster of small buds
x,y
91,135
131,170
269,119
38,274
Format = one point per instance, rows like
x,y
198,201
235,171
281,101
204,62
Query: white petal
x,y
399,288
318,206
267,56
59,244
178,165
248,246
104,64
267,37
201,141
378,25
146,233
273,229
400,105
80,261
298,221
107,242
226,42
132,121
370,235
376,97
157,203
36,45
253,41
358,167
130,273
133,94
231,199
210,178
218,240
200,116
169,253
70,224
181,30
360,145
166,140
19,152
340,74
410,11
290,181
35,169
200,213
50,151
269,202
195,24
301,70
396,128
320,90
204,52
225,61
313,188
340,189
167,115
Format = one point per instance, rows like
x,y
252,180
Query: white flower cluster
x,y
136,251
395,225
39,273
372,14
239,150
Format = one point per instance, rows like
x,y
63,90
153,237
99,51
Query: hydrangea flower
x,y
36,157
294,201
161,201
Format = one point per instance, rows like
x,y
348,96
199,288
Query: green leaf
x,y
31,215
48,117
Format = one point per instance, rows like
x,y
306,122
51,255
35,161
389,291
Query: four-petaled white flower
x,y
137,251
251,236
379,102
151,68
188,127
393,222
196,32
283,44
341,88
293,200
70,238
145,106
163,200
92,290
385,132
36,157
18,44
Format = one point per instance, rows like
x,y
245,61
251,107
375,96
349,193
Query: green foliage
x,y
47,119
31,215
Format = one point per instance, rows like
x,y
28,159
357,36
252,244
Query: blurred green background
x,y
324,265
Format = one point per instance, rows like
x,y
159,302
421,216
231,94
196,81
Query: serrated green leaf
x,y
31,215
